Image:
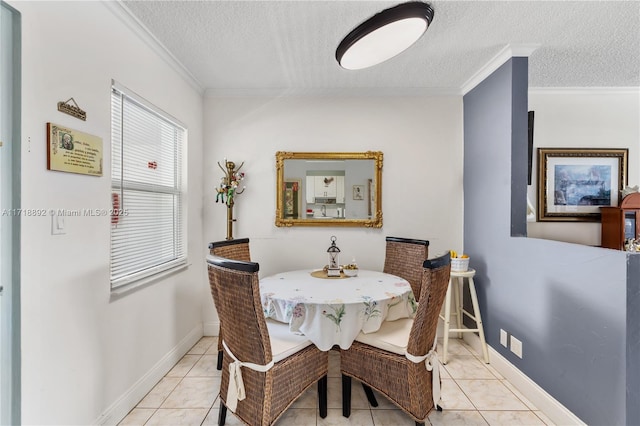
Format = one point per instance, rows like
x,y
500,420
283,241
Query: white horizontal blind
x,y
147,237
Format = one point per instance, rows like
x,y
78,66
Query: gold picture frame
x,y
370,217
573,183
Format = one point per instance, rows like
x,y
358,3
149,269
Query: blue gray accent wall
x,y
633,340
567,303
520,147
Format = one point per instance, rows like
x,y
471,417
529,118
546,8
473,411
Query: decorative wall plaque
x,y
73,110
72,151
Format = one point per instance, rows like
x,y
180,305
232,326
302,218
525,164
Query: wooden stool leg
x,y
478,318
447,320
458,282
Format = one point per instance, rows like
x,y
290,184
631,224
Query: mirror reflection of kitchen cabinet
x,y
325,186
621,223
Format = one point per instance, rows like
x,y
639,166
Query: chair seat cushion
x,y
393,336
284,343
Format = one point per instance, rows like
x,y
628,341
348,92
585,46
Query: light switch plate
x,y
504,338
57,224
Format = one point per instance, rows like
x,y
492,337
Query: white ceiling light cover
x,y
384,35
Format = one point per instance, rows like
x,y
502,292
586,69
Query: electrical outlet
x,y
516,347
503,338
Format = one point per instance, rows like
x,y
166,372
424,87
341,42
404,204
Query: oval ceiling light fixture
x,y
384,35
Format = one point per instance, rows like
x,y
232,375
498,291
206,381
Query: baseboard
x,y
546,403
121,407
211,328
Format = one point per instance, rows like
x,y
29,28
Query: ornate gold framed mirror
x,y
329,189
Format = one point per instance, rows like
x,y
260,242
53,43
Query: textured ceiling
x,y
289,46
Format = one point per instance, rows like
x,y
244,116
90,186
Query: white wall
x,y
421,139
84,354
583,119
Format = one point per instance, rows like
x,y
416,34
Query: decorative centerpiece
x,y
351,270
333,268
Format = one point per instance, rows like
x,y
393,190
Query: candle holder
x,y
227,191
333,269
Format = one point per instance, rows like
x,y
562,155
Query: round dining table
x,y
333,311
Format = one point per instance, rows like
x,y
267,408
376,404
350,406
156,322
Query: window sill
x,y
144,282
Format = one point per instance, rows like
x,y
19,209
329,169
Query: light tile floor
x,y
473,393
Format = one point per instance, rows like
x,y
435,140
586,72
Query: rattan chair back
x,y
404,258
236,293
231,249
435,281
237,249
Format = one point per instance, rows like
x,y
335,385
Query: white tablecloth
x,y
334,311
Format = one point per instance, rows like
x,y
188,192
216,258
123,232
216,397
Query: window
x,y
147,222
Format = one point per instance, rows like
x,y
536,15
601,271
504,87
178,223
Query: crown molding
x,y
402,92
133,23
632,90
508,52
331,92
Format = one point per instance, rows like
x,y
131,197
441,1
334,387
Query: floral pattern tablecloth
x,y
333,311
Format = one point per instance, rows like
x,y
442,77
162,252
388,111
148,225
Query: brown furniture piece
x,y
621,223
392,360
274,366
404,258
231,249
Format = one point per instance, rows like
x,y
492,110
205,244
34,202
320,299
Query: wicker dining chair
x,y
231,249
399,360
272,365
404,257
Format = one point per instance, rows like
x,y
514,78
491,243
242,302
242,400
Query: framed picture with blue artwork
x,y
573,183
